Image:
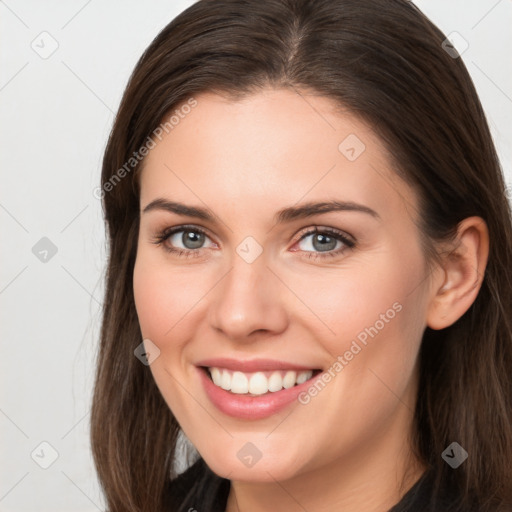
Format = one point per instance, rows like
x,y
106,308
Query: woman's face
x,y
269,303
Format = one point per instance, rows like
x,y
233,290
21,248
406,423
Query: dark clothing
x,y
198,488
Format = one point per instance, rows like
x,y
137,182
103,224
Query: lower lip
x,y
251,407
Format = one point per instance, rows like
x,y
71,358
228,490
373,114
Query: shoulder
x,y
425,496
198,488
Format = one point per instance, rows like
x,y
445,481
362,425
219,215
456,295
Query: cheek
x,y
152,302
378,334
164,296
371,315
164,304
344,303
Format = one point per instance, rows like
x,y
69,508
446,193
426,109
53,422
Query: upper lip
x,y
252,365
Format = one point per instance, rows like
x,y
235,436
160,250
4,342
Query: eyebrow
x,y
285,215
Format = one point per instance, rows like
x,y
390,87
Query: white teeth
x,y
216,376
289,379
239,383
275,383
303,377
225,382
257,383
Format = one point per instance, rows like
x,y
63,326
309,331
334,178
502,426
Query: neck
x,y
375,489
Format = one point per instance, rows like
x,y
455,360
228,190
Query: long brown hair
x,y
384,61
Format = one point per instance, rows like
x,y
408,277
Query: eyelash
x,y
164,235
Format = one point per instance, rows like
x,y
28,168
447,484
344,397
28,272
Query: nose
x,y
248,302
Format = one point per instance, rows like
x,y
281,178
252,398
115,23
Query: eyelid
x,y
166,233
348,240
346,237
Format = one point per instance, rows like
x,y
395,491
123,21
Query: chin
x,y
245,466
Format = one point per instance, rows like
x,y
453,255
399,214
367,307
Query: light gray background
x,y
56,115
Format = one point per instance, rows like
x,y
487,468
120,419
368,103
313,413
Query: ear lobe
x,y
464,268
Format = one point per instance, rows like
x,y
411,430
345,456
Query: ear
x,y
463,268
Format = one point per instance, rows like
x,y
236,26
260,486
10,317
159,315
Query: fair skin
x,y
347,448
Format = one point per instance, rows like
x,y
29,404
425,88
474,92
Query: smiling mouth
x,y
257,383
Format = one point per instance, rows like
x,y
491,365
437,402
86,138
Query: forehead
x,y
269,149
